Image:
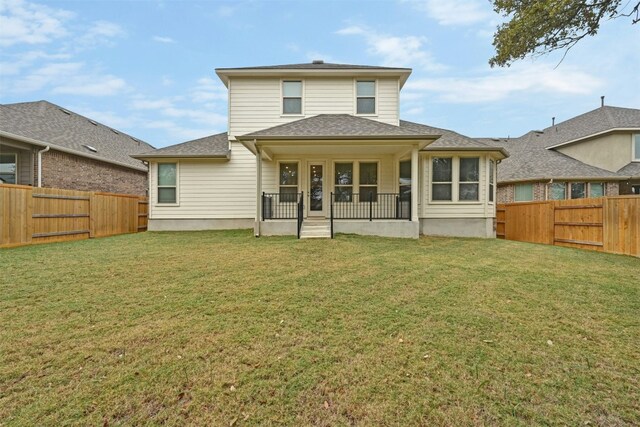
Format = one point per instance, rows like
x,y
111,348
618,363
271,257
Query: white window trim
x,y
17,172
177,203
635,156
355,97
282,113
490,181
455,181
280,162
357,177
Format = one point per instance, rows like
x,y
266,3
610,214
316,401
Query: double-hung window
x,y
558,191
523,192
292,97
596,189
288,182
167,182
365,97
469,186
405,180
442,177
492,166
8,168
344,182
636,147
368,181
578,190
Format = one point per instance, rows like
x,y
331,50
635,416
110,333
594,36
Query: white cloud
x,y
100,33
161,39
226,11
395,51
455,12
105,85
208,89
30,23
501,84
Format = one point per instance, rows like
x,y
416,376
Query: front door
x,y
316,189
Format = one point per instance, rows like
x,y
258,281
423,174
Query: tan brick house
x,y
42,144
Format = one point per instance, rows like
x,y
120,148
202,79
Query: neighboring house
x,y
591,155
330,136
42,144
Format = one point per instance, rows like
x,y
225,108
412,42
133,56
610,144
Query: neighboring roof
x,y
601,120
208,147
337,126
632,170
450,140
313,68
43,123
531,161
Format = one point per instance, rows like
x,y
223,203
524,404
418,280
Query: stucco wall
x,y
610,152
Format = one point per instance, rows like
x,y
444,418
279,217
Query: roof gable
x,y
207,147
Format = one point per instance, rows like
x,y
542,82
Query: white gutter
x,y
47,148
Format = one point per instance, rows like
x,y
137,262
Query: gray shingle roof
x,y
209,146
450,140
315,66
326,126
593,122
53,125
530,161
632,169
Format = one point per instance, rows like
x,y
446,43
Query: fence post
x,y
552,222
29,214
92,216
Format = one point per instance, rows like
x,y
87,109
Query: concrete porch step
x,y
315,230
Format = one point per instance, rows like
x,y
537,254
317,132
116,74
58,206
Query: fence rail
x,y
607,224
31,215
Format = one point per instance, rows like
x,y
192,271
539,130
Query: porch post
x,y
415,184
258,190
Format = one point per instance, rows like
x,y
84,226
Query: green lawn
x,y
221,328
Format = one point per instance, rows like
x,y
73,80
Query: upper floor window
x,y
636,147
365,97
167,182
8,168
292,97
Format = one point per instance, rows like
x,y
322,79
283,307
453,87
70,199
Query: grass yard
x,y
221,328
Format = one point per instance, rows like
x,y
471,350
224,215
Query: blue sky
x,y
147,67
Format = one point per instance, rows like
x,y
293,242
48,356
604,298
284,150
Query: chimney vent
x,y
318,61
553,121
602,101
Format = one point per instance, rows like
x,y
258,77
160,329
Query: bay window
x,y
469,174
491,179
442,178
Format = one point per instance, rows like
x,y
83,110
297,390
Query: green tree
x,y
537,27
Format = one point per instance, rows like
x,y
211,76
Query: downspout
x,y
47,148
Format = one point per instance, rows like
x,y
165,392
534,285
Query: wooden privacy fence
x,y
31,215
608,224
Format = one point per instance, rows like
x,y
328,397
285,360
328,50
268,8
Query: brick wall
x,y
63,170
505,193
611,189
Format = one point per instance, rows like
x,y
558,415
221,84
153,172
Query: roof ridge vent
x,y
317,61
90,148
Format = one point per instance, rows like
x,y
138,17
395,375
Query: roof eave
x,y
564,178
69,151
181,156
250,137
226,73
500,150
593,135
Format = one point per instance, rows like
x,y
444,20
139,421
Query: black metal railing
x,y
370,206
281,205
300,212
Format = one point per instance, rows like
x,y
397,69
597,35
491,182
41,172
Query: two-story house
x,y
318,148
591,155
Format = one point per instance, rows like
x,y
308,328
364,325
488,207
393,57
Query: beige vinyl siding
x,y
256,103
211,189
430,209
